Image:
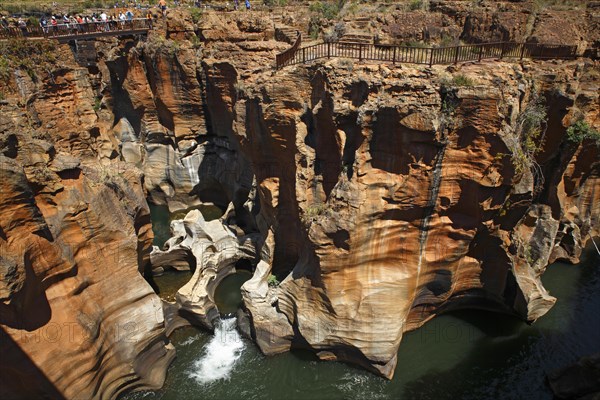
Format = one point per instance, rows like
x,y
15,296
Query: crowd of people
x,y
79,22
120,17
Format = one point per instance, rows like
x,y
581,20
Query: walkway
x,y
66,32
422,55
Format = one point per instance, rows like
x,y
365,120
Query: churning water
x,y
461,355
220,354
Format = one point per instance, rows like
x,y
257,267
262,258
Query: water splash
x,y
220,354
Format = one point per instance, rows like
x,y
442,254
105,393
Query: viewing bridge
x,y
422,55
73,31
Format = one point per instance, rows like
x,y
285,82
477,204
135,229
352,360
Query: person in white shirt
x,y
104,19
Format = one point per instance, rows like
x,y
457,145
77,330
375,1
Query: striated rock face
x,y
388,200
379,196
76,314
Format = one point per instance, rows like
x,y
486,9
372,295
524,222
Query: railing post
x,y
394,57
502,50
360,52
456,55
303,55
480,52
328,49
431,57
522,51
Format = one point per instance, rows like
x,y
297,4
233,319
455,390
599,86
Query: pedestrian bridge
x,y
66,32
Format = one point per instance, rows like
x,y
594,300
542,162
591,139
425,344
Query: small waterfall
x,y
220,354
192,168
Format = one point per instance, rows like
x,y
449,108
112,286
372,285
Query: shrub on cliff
x,y
580,131
4,69
415,5
26,55
458,80
528,138
272,280
271,3
327,9
196,14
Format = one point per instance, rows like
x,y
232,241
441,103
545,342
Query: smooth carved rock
x,y
385,202
62,253
216,248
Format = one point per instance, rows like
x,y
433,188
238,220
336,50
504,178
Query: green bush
x,y
461,80
196,14
33,21
314,26
528,139
580,130
97,104
272,3
457,81
414,43
327,9
4,69
272,280
415,5
27,55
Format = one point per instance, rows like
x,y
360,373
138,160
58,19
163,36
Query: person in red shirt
x,y
54,24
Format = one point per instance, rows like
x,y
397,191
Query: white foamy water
x,y
219,355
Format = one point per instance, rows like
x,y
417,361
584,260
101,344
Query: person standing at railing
x,y
22,25
54,24
80,26
129,16
74,26
149,19
248,5
113,22
163,7
104,20
44,25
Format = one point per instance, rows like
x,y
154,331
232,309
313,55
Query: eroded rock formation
x,y
70,235
380,196
215,249
389,200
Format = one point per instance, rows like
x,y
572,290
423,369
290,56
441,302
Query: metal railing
x,y
287,57
423,55
73,30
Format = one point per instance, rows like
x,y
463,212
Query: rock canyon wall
x,y
390,199
379,196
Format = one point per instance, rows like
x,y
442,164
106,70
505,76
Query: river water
x,y
461,355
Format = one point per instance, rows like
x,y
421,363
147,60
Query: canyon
x,y
365,199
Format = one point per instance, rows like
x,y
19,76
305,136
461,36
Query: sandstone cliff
x,y
76,312
392,195
380,196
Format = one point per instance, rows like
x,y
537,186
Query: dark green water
x,y
227,295
463,355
